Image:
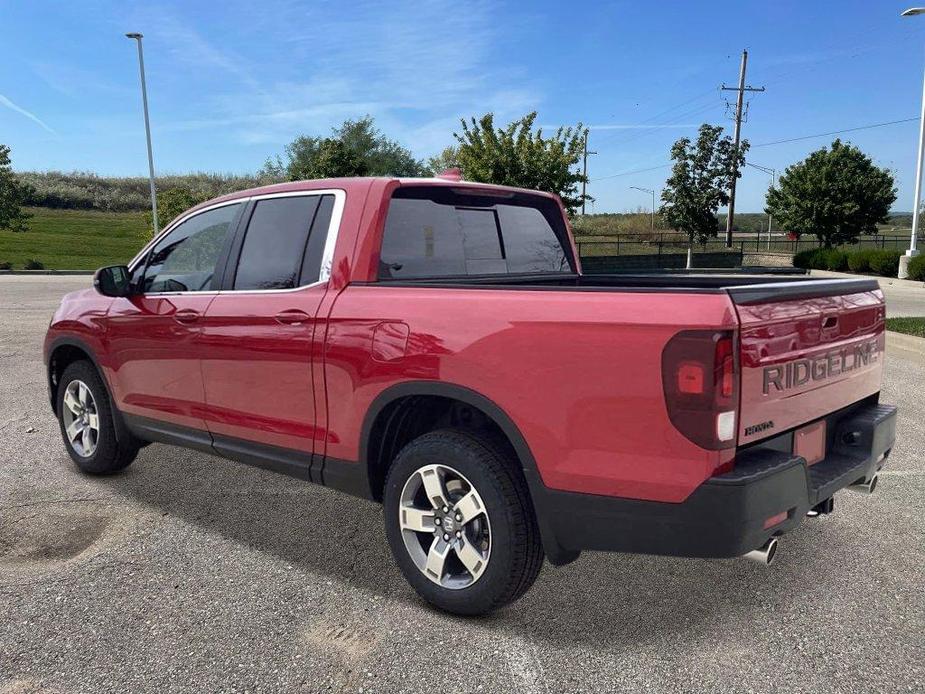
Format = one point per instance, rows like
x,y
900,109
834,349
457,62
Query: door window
x,y
185,260
284,242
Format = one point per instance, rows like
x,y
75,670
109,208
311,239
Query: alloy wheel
x,y
81,418
445,526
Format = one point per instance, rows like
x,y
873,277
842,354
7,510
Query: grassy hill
x,y
75,239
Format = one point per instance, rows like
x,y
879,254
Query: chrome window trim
x,y
327,255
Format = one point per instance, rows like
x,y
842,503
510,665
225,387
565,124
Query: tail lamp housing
x,y
701,384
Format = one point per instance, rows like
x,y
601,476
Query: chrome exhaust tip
x,y
764,554
865,486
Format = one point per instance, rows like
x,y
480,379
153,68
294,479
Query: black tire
x,y
110,455
516,554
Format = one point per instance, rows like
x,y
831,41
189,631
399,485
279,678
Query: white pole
x,y
653,210
770,216
912,252
144,101
918,174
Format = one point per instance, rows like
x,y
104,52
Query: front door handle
x,y
186,315
292,316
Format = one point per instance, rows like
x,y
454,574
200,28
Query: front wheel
x,y
86,420
460,523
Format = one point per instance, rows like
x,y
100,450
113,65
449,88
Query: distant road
x,y
903,297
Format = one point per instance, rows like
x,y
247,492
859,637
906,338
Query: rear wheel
x,y
86,419
460,523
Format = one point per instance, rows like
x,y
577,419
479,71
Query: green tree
x,y
12,194
699,182
356,148
835,193
518,156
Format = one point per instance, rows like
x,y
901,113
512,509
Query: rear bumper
x,y
726,515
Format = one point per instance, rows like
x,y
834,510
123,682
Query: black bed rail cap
x,y
802,289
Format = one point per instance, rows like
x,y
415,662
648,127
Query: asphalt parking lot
x,y
190,573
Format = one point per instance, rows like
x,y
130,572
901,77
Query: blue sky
x,y
231,83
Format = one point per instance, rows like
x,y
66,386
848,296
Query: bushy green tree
x,y
699,182
517,155
836,193
356,148
12,194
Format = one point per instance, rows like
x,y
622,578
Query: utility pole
x,y
741,89
584,174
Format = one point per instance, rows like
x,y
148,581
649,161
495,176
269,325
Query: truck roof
x,y
361,184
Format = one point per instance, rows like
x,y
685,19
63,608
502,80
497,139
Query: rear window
x,y
284,242
444,232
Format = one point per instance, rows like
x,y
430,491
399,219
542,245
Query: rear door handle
x,y
292,316
186,315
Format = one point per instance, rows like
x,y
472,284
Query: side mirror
x,y
114,280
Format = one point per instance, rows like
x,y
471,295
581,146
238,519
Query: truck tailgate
x,y
807,348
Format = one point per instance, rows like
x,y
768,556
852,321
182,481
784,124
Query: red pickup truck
x,y
432,344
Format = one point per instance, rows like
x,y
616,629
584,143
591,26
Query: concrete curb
x,y
47,272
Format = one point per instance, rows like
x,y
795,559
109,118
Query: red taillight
x,y
690,378
700,384
726,365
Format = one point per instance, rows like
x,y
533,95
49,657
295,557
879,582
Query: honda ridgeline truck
x,y
433,344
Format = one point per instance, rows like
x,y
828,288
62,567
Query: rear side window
x,y
283,243
442,232
185,259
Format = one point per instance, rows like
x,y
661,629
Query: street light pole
x,y
646,190
144,100
912,252
773,173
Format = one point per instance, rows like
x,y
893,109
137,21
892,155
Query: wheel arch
x,y
374,437
62,352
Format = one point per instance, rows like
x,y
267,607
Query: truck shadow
x,y
604,601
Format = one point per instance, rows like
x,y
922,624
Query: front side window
x,y
438,232
283,243
185,259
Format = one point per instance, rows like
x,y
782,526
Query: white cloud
x,y
416,67
28,114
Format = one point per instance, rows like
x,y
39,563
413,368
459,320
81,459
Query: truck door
x,y
153,335
257,333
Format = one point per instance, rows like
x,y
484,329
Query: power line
x,y
629,173
653,131
775,142
666,112
837,132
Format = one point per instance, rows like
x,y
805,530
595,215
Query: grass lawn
x,y
910,326
75,239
